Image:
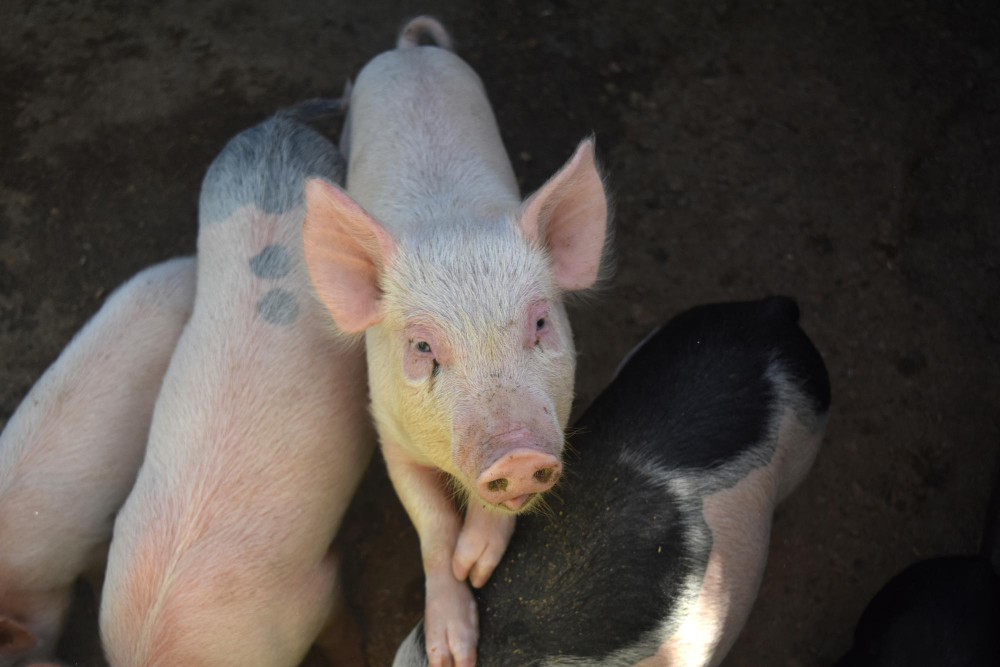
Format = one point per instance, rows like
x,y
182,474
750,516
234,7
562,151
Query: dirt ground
x,y
844,153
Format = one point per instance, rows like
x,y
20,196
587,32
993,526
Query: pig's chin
x,y
518,505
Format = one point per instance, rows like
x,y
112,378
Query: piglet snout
x,y
516,475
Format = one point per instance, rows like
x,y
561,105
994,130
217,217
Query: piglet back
x,y
266,165
705,387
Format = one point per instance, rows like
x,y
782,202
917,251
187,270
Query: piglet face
x,y
507,430
470,354
477,372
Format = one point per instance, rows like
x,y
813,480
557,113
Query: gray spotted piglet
x,y
221,555
656,544
70,453
459,286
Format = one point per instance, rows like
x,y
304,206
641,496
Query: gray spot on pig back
x,y
266,166
272,262
278,306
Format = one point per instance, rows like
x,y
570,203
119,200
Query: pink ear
x,y
14,637
569,215
344,249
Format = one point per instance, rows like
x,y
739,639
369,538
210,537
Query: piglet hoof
x,y
481,544
451,623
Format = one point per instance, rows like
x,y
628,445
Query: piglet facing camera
x,y
656,542
221,555
459,286
70,453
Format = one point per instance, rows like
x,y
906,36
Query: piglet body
x,y
459,286
70,453
259,439
655,546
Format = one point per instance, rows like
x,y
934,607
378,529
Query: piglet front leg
x,y
451,626
481,544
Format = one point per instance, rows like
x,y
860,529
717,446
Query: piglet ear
x,y
569,216
344,248
14,637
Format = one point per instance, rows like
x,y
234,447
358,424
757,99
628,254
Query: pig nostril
x,y
543,475
499,484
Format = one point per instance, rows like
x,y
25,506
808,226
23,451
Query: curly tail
x,y
424,27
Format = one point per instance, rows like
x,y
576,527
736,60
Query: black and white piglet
x,y
657,538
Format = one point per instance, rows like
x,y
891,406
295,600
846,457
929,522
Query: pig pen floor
x,y
846,154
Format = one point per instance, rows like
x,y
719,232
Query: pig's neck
x,y
424,145
402,209
414,191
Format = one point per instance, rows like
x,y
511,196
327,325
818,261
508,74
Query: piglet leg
x,y
481,543
451,626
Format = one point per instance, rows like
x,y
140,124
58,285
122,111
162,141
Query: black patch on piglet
x,y
702,382
597,574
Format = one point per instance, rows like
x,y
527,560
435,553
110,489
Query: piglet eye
x,y
423,346
540,324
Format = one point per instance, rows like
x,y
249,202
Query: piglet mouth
x,y
519,502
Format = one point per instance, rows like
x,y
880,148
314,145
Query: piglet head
x,y
470,352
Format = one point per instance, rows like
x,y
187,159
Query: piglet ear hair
x,y
344,249
569,216
14,637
